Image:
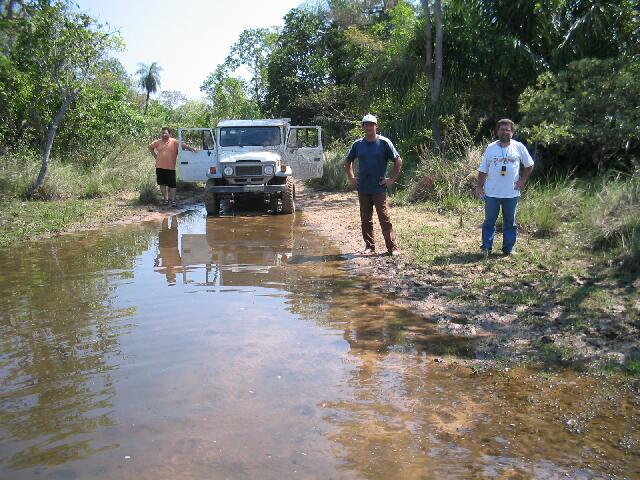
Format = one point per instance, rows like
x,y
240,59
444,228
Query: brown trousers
x,y
367,202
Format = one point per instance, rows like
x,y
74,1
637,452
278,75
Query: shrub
x,y
614,219
547,205
333,175
588,113
148,193
449,175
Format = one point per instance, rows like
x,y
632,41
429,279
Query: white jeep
x,y
251,157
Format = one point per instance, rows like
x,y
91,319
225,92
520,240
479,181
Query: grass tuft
x,y
333,177
550,204
613,221
447,178
148,193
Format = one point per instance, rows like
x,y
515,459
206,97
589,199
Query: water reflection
x,y
168,260
57,341
239,347
275,252
239,251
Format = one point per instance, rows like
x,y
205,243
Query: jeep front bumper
x,y
222,189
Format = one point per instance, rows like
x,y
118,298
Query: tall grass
x,y
613,219
131,170
447,177
333,176
547,205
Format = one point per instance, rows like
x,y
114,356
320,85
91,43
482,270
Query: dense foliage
x,y
567,69
587,114
54,58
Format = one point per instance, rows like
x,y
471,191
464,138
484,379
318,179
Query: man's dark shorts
x,y
166,177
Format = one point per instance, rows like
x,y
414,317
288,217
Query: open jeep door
x,y
194,166
304,152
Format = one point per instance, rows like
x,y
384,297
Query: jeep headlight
x,y
268,170
228,171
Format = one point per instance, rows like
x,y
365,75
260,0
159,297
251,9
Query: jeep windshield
x,y
250,136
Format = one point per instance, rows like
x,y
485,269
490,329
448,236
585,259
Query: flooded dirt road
x,y
239,347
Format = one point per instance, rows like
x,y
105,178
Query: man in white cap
x,y
373,153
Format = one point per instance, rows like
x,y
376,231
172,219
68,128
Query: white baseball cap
x,y
368,118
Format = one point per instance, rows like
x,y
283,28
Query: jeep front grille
x,y
248,170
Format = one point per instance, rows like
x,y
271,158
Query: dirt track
x,y
499,332
336,216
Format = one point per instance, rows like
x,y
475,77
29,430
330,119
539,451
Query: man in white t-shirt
x,y
500,184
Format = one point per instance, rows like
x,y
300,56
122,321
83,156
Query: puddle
x,y
238,347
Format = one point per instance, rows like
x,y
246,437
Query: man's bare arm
x,y
187,147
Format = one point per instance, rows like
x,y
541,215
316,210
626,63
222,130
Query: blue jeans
x,y
491,209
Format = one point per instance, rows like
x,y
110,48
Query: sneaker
x,y
174,204
485,251
508,253
395,252
368,251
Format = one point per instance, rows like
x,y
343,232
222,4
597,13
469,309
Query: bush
x,y
547,205
587,114
447,176
333,175
148,193
614,219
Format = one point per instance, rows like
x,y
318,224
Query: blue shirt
x,y
372,162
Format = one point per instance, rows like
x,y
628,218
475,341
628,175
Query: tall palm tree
x,y
149,80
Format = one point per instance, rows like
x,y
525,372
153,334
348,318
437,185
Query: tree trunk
x,y
146,103
434,74
437,74
428,46
9,11
51,133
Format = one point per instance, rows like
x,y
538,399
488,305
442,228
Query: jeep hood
x,y
256,156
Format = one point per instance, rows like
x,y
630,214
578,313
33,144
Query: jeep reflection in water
x,y
251,157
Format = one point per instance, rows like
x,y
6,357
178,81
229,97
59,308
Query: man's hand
x,y
387,182
354,182
479,192
520,184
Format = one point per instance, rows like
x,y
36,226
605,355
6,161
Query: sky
x,y
187,38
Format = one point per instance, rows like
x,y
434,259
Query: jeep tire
x,y
288,196
211,200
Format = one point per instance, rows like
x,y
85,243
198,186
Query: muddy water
x,y
238,347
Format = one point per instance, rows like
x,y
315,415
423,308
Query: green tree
x,y
102,121
252,50
299,64
228,96
587,115
58,52
149,80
